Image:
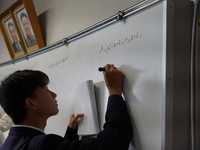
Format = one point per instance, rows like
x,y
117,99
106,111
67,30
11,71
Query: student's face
x,y
46,104
26,26
13,34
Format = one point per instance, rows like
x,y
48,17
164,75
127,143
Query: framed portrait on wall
x,y
20,28
28,24
11,37
26,28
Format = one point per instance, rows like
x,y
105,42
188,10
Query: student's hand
x,y
114,79
73,122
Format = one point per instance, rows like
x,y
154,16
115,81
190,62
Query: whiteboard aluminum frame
x,y
167,133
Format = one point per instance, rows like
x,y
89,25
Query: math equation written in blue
x,y
126,40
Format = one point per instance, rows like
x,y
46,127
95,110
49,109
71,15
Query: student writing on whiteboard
x,y
25,97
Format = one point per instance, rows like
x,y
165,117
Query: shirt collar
x,y
30,127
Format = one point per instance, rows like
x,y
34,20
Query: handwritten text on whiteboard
x,y
127,40
57,63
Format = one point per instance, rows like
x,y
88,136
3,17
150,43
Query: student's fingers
x,y
78,116
107,67
112,67
72,116
74,120
113,79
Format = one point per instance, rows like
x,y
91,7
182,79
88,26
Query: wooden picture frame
x,y
11,37
24,18
29,27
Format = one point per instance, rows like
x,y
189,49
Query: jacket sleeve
x,y
118,130
71,134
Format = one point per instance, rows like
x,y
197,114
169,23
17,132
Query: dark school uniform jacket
x,y
116,135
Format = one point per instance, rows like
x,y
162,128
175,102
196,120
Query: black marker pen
x,y
101,69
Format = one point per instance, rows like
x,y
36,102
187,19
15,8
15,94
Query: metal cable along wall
x,y
117,17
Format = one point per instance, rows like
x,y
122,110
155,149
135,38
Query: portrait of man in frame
x,y
26,28
13,35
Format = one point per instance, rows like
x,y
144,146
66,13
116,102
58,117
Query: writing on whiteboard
x,y
57,63
127,40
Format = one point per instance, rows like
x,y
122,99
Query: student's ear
x,y
30,103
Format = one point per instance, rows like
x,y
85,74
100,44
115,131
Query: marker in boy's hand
x,y
114,79
101,69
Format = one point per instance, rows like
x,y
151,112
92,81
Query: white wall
x,y
62,18
4,55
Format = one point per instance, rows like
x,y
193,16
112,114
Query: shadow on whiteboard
x,y
101,101
131,75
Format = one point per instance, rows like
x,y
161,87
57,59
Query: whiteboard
x,y
137,47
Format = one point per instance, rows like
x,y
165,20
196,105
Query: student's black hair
x,y
16,88
23,15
